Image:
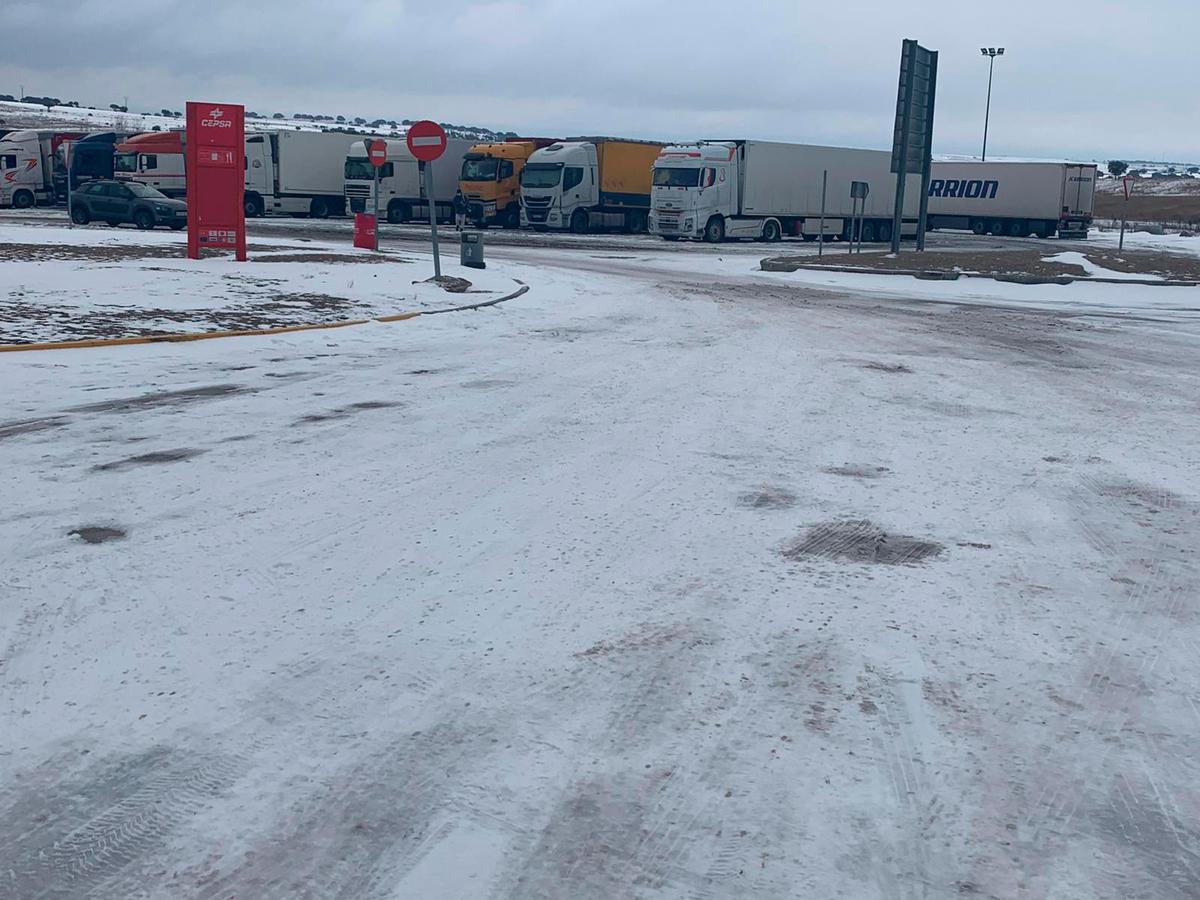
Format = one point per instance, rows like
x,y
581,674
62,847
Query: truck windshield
x,y
125,162
359,169
541,176
479,169
676,177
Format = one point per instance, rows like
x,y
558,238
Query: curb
x,y
186,337
786,264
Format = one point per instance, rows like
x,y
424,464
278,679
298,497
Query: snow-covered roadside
x,y
578,597
86,283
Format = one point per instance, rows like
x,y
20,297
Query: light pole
x,y
991,53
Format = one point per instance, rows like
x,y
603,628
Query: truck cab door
x,y
575,186
258,165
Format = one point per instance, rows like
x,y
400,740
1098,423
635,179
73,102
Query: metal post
x,y
67,154
1124,216
821,236
988,111
927,168
429,198
853,220
862,212
377,168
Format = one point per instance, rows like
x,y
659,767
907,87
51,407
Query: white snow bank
x,y
1074,258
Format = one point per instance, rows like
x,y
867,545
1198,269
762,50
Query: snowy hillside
x,y
15,116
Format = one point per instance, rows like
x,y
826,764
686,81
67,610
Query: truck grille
x,y
358,190
537,209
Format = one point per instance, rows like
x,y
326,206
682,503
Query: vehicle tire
x,y
144,219
579,222
996,227
512,216
79,214
714,231
1018,228
636,222
885,232
112,223
177,226
772,233
868,232
319,208
398,212
978,226
22,200
253,205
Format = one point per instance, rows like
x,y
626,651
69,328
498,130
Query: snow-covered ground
x,y
668,579
66,284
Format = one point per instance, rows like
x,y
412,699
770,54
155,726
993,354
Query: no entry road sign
x,y
426,140
376,151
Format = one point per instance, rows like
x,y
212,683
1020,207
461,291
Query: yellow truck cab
x,y
491,180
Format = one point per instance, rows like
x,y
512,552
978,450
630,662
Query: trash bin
x,y
471,250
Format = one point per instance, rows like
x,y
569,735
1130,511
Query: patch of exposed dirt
x,y
849,471
344,412
889,368
98,534
314,257
115,252
1023,261
859,541
768,497
163,398
449,283
30,426
156,457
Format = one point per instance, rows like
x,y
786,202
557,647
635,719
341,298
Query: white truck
x,y
28,161
764,190
402,195
1017,199
296,173
588,184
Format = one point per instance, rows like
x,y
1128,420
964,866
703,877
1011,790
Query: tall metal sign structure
x,y
912,139
215,161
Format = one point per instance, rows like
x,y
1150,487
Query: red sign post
x,y
377,154
426,142
216,154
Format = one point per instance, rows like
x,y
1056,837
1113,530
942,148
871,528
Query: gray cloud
x,y
1106,78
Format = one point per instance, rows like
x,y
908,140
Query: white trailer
x,y
28,160
296,173
1017,199
402,195
764,190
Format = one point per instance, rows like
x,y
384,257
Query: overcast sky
x,y
1096,80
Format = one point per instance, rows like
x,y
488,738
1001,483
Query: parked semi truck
x,y
86,159
296,173
764,190
491,179
155,159
1017,199
587,184
402,195
29,162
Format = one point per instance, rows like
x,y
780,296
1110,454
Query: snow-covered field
x,y
667,579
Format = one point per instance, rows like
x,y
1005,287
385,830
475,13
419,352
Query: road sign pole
x,y
821,236
927,169
377,168
437,262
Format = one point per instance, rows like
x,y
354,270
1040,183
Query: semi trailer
x,y
1017,199
155,159
296,173
491,179
30,165
402,195
587,184
764,190
86,159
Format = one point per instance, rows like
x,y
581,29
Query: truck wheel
x,y
978,226
868,232
253,205
1018,228
144,219
512,217
79,214
996,227
318,209
22,200
714,231
635,222
885,232
398,212
579,222
771,233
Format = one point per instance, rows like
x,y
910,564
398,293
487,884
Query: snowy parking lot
x,y
669,578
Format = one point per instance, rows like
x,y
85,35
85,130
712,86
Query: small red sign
x,y
364,231
426,140
376,151
216,152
